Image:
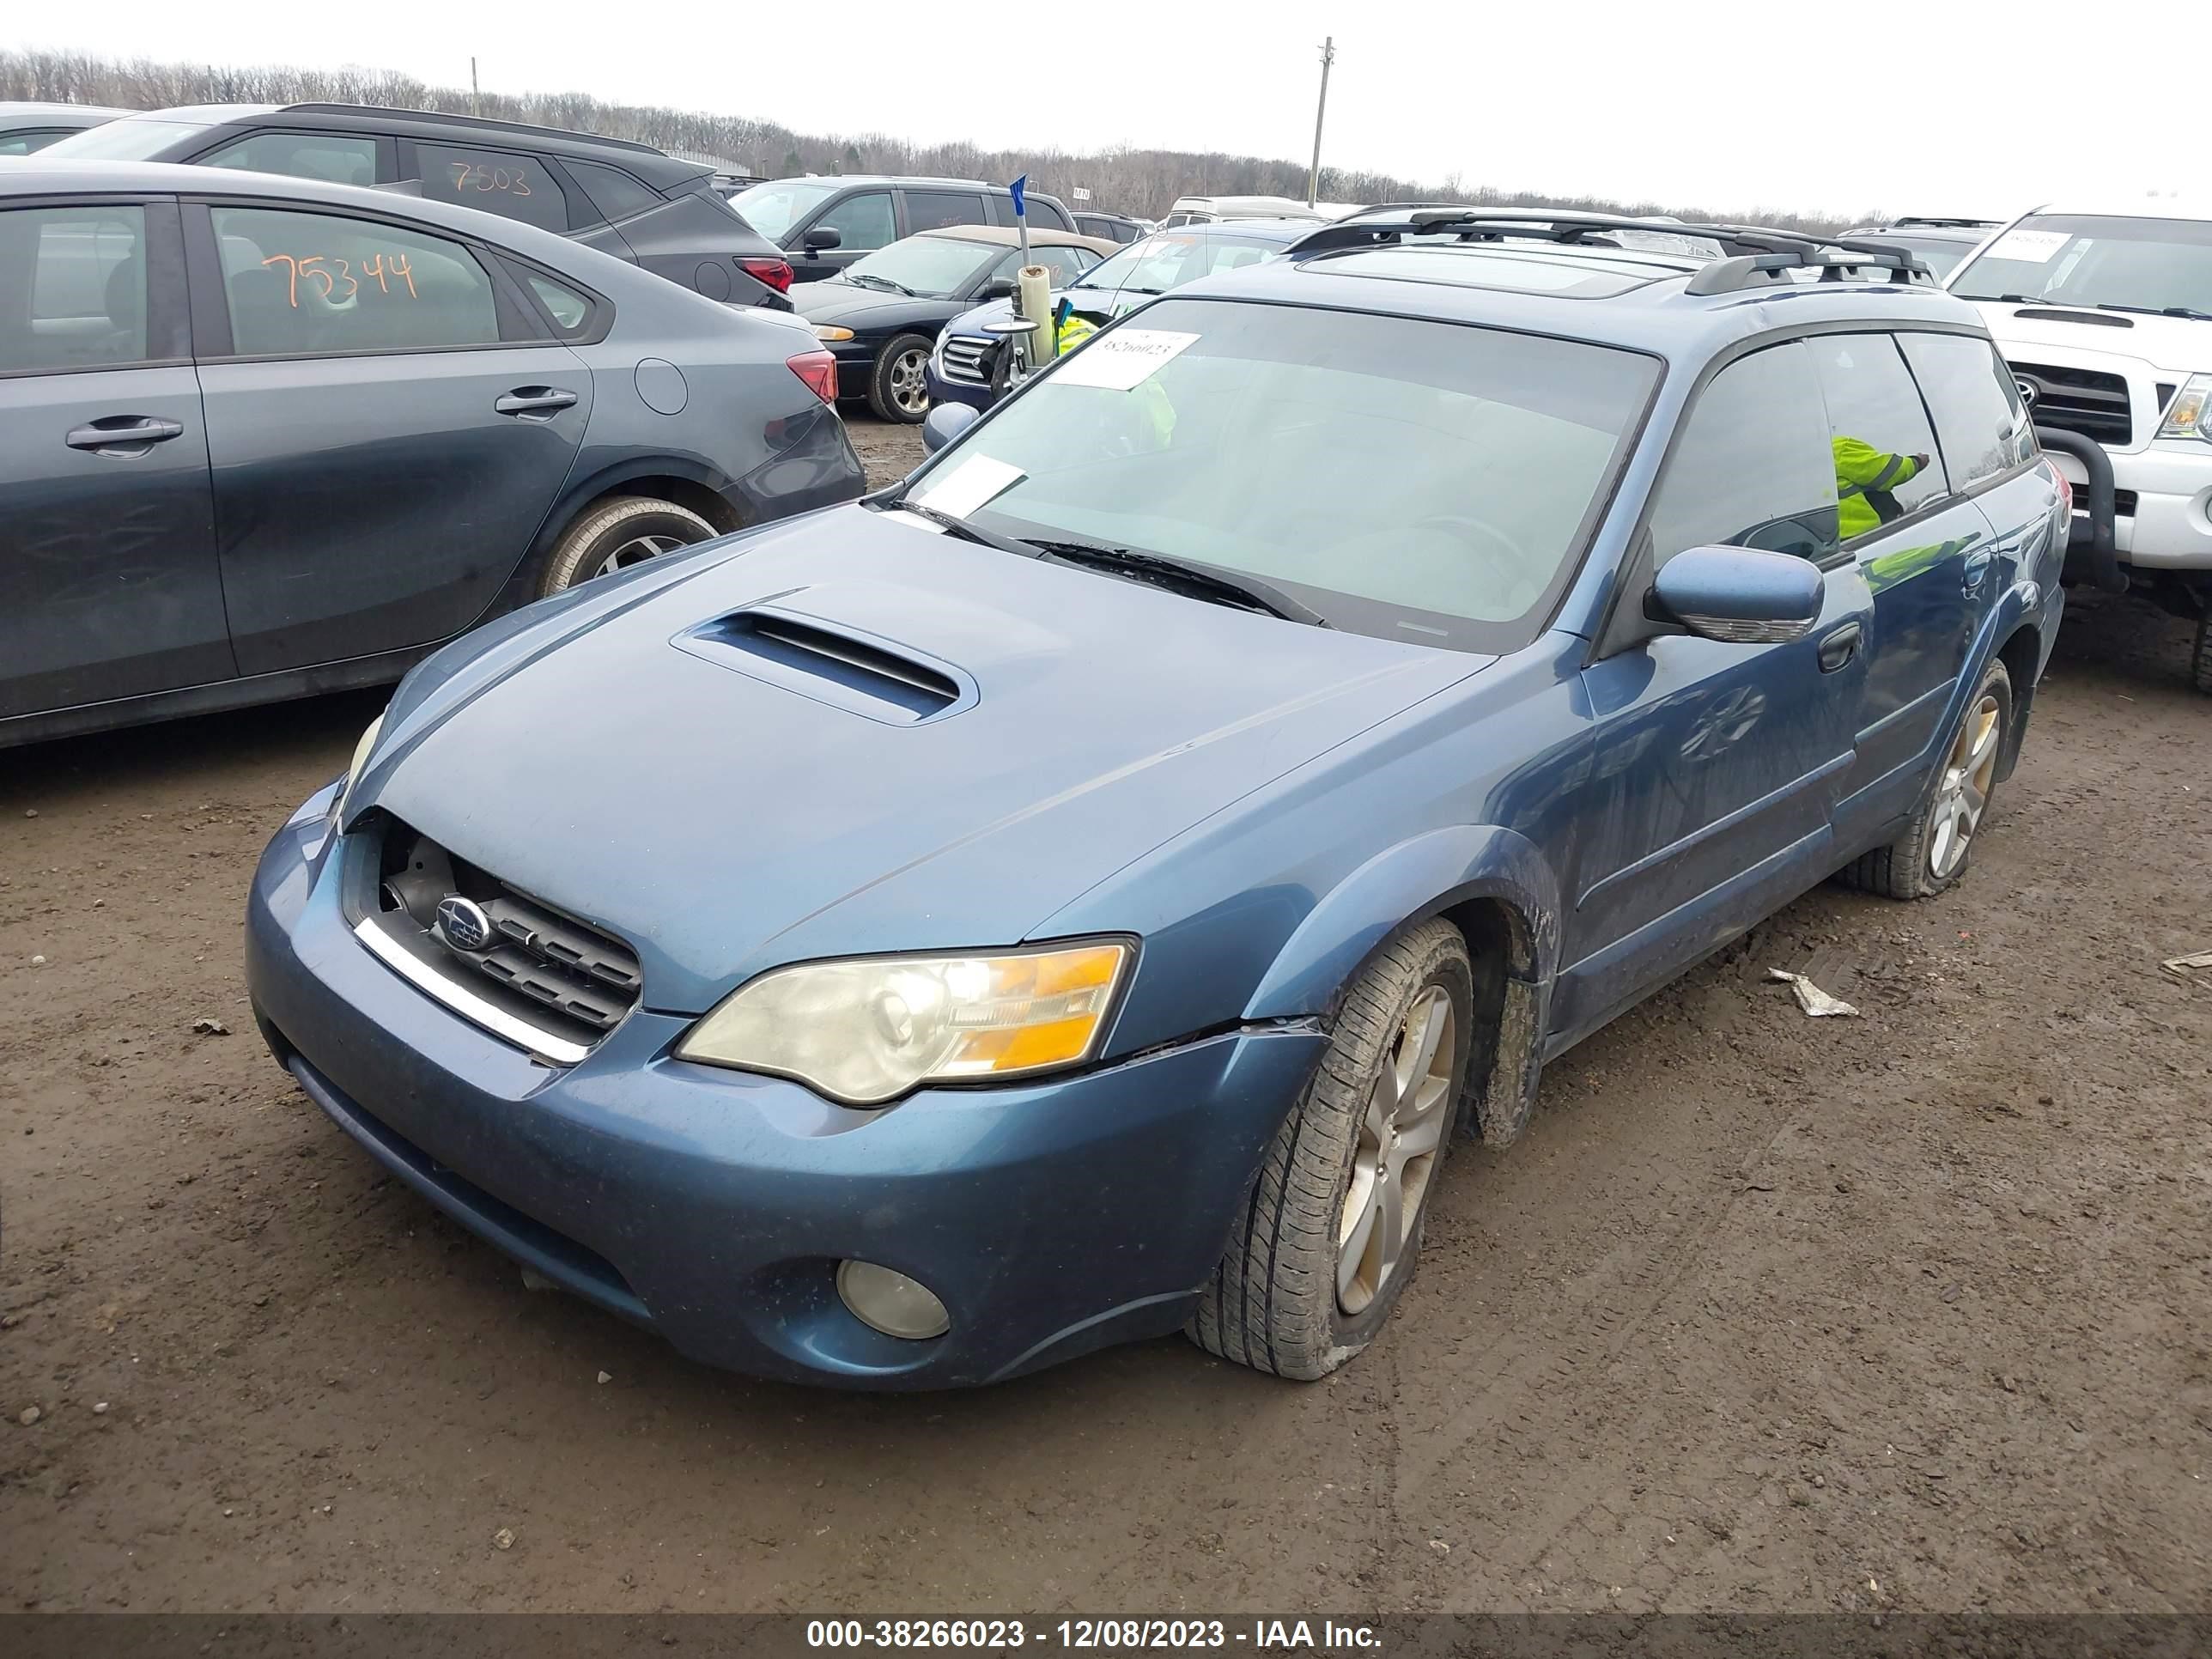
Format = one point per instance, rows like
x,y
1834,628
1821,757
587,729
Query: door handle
x,y
1838,646
1978,568
122,435
539,401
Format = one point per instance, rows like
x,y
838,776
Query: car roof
x,y
1641,300
1009,236
12,113
1285,231
656,166
2140,207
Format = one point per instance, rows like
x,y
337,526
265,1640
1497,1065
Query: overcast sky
x,y
1936,108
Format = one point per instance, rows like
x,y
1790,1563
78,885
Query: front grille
x,y
968,359
536,964
2083,400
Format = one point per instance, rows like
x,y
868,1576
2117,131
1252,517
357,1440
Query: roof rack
x,y
483,122
1944,224
1752,255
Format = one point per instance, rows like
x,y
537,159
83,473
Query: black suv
x,y
825,224
630,200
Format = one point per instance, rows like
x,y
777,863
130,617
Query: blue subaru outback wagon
x,y
1079,892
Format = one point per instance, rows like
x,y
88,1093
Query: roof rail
x,y
484,123
1753,255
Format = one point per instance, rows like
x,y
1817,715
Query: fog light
x,y
891,1303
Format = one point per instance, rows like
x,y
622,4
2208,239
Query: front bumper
x,y
942,391
2166,523
714,1205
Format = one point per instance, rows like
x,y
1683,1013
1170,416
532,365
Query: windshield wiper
x,y
2158,311
869,279
960,527
1200,581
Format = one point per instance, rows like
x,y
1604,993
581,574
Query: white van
x,y
2104,313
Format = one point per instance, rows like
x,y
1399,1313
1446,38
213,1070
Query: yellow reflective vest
x,y
1861,467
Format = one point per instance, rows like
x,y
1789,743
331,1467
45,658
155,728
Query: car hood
x,y
2171,345
852,734
858,308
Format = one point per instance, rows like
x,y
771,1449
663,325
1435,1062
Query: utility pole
x,y
1321,109
475,98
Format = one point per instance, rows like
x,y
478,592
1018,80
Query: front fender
x,y
1420,877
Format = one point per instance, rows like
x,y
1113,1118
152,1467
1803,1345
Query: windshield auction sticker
x,y
1123,360
969,485
2034,246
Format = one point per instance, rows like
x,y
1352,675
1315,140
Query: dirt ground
x,y
1912,1311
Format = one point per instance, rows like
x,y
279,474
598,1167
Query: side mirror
x,y
1739,595
998,287
824,236
943,424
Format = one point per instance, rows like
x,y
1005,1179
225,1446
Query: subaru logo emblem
x,y
463,924
2029,392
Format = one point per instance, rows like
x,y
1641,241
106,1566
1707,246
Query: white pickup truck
x,y
2105,313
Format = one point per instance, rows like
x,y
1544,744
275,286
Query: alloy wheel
x,y
1964,793
1399,1137
909,391
636,550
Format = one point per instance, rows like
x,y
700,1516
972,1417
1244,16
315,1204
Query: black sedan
x,y
882,315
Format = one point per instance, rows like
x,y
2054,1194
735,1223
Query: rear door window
x,y
862,221
334,158
309,283
505,182
1886,460
934,209
1980,420
1751,465
72,287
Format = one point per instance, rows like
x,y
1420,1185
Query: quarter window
x,y
613,192
1980,420
1887,465
72,287
335,158
563,304
300,284
862,221
1751,467
512,185
934,209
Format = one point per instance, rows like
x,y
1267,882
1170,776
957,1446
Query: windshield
x,y
772,210
2077,259
1172,258
1420,481
132,140
933,266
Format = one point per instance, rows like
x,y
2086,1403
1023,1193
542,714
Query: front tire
x,y
898,389
1932,854
2200,657
1328,1240
615,534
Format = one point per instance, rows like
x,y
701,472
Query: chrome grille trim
x,y
462,1001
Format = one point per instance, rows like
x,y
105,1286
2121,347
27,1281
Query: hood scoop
x,y
2097,319
832,664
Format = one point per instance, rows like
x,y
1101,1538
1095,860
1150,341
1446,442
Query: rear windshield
x,y
1421,481
2159,265
132,140
772,210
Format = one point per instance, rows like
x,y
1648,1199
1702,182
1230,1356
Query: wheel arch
x,y
1497,888
2022,655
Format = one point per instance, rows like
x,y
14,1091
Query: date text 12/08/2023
x,y
1086,1634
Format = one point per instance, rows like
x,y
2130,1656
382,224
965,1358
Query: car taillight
x,y
819,370
777,273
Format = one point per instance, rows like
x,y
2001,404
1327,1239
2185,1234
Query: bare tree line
x,y
1125,180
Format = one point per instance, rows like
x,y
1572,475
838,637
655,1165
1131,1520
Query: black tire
x,y
615,535
1275,1304
1908,867
896,389
2200,658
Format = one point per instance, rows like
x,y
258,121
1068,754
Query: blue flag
x,y
1018,187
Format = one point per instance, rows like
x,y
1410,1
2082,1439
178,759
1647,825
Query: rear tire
x,y
898,388
1304,1286
1933,853
2200,659
616,534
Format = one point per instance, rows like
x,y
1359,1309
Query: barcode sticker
x,y
1123,360
2035,246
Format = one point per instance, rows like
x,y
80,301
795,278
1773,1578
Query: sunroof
x,y
1580,277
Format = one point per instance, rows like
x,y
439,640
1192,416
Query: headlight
x,y
867,1031
2185,414
353,769
831,332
